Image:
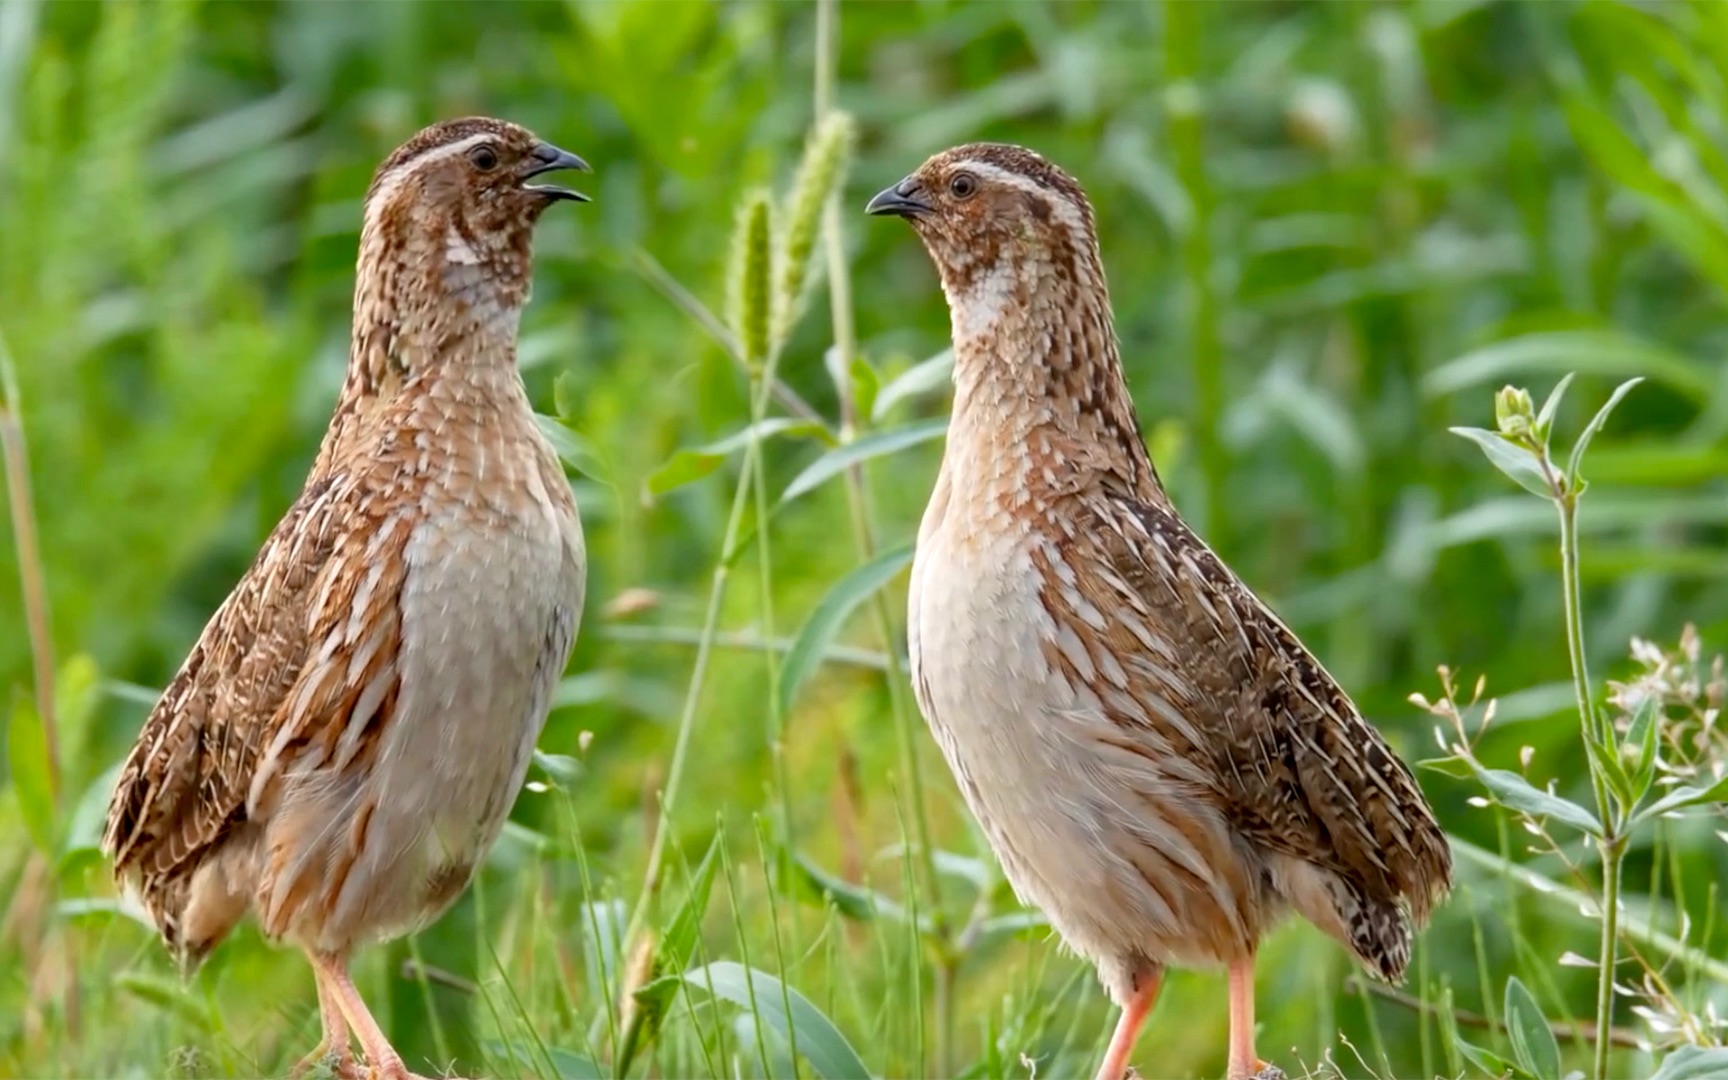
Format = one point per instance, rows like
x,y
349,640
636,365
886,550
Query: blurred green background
x,y
1331,230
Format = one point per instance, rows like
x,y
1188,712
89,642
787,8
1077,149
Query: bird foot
x,y
327,1065
396,1071
1265,1070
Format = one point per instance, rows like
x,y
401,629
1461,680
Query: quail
x,y
346,738
1156,760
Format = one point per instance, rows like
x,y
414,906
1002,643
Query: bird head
x,y
997,220
458,199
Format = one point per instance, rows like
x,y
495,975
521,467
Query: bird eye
x,y
484,157
962,185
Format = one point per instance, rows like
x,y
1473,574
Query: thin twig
x,y
858,503
1563,1031
848,655
684,300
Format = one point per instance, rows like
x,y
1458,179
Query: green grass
x,y
1332,232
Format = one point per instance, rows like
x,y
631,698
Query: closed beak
x,y
901,200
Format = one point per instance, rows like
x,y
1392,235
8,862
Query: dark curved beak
x,y
901,200
548,158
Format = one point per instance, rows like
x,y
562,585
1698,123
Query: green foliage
x,y
1331,231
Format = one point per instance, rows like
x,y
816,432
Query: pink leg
x,y
1133,1015
1243,1062
335,1040
382,1060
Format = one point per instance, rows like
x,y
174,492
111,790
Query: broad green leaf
x,y
574,1066
1532,1039
1681,797
1595,426
1515,461
1455,767
1518,793
924,377
829,615
817,1039
1694,1063
874,445
692,464
766,1048
27,752
1589,352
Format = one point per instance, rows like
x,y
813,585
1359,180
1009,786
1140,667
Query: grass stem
x,y
32,580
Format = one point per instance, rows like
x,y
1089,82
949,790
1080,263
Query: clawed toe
x,y
324,1064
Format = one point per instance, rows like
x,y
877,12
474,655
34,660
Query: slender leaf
x,y
1545,417
1641,733
679,941
27,751
830,614
1591,352
691,464
1607,759
671,954
168,994
1595,426
569,1064
924,377
874,445
1684,796
866,384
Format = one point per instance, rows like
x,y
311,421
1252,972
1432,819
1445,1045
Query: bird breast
x,y
490,599
1109,836
489,609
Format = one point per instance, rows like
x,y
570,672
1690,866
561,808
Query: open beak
x,y
548,158
901,200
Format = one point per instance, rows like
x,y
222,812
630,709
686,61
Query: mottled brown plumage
x,y
346,738
1157,761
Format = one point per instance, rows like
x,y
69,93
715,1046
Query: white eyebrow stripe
x,y
1061,206
388,184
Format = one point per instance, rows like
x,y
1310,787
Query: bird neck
x,y
1038,381
425,320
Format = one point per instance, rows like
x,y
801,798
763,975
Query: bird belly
x,y
489,616
1119,847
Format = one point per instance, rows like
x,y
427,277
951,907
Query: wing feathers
x,y
1297,766
269,679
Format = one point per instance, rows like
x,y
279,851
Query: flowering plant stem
x,y
1611,844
